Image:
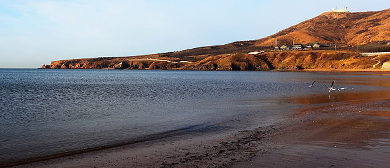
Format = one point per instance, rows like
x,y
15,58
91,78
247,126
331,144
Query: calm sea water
x,y
46,112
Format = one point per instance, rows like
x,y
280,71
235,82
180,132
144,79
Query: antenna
x,y
276,42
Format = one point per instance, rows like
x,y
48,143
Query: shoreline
x,y
186,150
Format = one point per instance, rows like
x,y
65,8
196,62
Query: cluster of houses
x,y
302,47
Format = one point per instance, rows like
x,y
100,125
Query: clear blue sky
x,y
35,32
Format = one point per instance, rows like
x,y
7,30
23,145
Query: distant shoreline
x,y
303,70
314,60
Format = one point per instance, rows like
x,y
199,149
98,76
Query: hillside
x,y
366,31
339,28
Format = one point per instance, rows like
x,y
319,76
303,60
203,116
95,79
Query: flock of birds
x,y
331,88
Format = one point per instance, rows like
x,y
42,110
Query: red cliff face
x,y
291,60
288,60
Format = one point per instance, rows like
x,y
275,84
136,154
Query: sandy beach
x,y
349,134
352,132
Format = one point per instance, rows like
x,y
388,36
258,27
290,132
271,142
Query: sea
x,y
46,112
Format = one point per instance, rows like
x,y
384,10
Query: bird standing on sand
x,y
331,87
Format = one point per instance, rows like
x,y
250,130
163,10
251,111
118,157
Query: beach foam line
x,y
198,128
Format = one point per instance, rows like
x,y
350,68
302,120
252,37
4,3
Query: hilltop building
x,y
340,10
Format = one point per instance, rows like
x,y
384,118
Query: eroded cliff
x,y
285,60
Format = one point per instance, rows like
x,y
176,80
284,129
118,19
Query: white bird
x,y
341,89
331,87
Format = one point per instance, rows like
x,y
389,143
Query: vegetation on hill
x,y
347,28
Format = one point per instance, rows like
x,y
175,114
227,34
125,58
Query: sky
x,y
36,32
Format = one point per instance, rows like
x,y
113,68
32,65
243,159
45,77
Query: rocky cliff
x,y
291,60
286,60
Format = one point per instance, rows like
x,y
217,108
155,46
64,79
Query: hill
x,y
339,28
366,31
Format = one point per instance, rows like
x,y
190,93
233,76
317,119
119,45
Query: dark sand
x,y
336,130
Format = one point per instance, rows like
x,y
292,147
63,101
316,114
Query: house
x,y
388,43
285,47
297,47
318,45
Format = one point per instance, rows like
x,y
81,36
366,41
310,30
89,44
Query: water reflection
x,y
345,119
340,97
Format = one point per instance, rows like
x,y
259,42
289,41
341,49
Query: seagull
x,y
331,87
341,89
312,84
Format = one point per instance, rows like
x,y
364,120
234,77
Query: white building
x,y
256,52
340,10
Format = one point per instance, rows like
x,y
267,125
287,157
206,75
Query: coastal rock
x,y
118,66
63,66
79,66
231,62
284,60
45,66
55,66
139,64
71,66
122,65
164,65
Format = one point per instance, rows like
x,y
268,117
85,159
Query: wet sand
x,y
348,134
218,150
335,130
